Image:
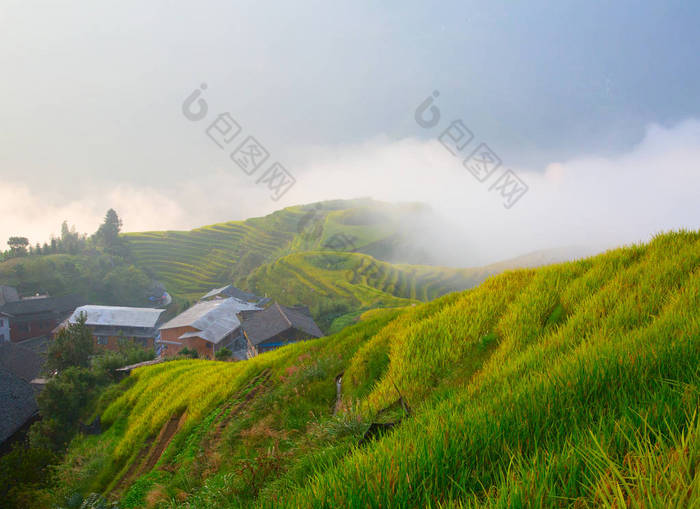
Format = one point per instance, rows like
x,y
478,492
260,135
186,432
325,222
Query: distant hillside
x,y
191,262
340,286
569,385
279,256
340,258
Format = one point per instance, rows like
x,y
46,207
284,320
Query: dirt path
x,y
153,449
151,452
239,402
166,435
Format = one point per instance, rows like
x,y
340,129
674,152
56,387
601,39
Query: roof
x,y
59,305
231,291
214,319
276,319
17,404
20,361
128,368
8,294
39,345
118,316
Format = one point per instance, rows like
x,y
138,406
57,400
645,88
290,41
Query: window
x,y
2,338
102,340
2,322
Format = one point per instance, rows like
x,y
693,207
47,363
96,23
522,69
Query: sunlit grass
x,y
572,385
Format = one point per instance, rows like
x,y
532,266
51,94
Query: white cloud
x,y
592,201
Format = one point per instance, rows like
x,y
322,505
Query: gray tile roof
x,y
20,361
270,322
58,305
8,294
17,404
231,291
118,316
214,319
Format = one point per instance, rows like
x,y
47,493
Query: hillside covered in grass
x,y
338,287
570,385
339,258
189,263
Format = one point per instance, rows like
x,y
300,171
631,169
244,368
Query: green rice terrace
x,y
571,385
190,263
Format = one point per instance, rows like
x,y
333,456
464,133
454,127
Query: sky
x,y
594,107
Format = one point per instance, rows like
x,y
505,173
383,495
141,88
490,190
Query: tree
x,y
73,346
107,234
18,245
223,354
186,352
71,241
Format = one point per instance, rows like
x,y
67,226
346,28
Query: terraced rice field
x,y
574,384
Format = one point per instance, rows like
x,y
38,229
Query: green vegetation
x,y
190,263
223,354
339,258
71,394
99,269
338,286
571,385
72,347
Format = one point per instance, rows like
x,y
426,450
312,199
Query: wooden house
x,y
18,407
206,327
278,326
34,317
111,324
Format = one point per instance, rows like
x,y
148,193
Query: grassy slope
x,y
340,286
571,384
190,263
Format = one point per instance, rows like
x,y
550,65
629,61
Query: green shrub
x,y
223,354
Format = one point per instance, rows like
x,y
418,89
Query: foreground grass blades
x,y
571,385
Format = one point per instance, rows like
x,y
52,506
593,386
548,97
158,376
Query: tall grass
x,y
572,385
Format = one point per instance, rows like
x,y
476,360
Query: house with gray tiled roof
x,y
18,408
278,326
206,327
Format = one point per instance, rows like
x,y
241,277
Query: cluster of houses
x,y
243,323
227,317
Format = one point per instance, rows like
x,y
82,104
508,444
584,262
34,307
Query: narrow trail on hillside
x,y
166,435
236,405
151,452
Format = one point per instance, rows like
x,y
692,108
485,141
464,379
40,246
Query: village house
x,y
8,294
18,407
278,326
36,316
206,327
111,325
4,327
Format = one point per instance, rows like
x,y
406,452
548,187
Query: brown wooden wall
x,y
204,349
21,330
